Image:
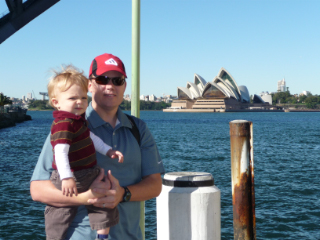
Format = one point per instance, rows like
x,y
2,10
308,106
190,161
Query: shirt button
x,y
115,146
114,134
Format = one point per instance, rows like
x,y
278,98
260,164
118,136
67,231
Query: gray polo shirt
x,y
139,161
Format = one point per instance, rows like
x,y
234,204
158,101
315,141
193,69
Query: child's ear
x,y
55,102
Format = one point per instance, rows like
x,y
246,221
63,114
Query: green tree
x,y
302,98
40,105
311,102
292,100
145,105
281,97
4,100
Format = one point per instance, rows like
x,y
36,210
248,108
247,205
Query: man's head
x,y
107,82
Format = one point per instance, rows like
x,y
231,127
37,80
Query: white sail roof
x,y
222,86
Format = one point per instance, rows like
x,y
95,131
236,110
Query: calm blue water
x,y
286,158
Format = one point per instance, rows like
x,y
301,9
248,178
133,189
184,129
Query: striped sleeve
x,y
62,132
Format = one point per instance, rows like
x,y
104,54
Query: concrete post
x,y
188,207
135,87
242,174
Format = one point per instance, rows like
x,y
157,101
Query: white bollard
x,y
188,207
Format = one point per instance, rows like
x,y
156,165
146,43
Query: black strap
x,y
134,130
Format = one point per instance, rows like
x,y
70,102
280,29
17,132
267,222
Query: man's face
x,y
107,97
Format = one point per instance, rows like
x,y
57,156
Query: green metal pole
x,y
135,91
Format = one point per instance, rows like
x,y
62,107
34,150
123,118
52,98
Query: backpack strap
x,y
134,130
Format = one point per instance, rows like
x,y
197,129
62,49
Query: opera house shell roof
x,y
222,86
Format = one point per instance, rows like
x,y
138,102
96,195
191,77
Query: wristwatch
x,y
126,195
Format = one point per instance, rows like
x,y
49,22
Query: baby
x,y
75,165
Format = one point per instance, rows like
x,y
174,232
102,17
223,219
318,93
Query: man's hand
x,y
99,186
112,196
69,187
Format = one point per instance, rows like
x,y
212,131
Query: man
x,y
136,179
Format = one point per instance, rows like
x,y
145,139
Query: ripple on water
x,y
286,162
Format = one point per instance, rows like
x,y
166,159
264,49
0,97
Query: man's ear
x,y
89,85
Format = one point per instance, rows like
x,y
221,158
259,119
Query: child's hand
x,y
69,187
115,154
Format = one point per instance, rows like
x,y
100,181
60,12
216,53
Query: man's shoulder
x,y
134,128
135,120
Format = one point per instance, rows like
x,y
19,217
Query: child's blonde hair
x,y
64,79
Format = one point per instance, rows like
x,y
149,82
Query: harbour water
x,y
286,158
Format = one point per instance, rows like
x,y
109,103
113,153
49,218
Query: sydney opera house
x,y
221,95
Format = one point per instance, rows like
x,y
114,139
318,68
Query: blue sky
x,y
259,42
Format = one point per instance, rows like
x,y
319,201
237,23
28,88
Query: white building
x,y
152,98
127,97
266,97
282,86
305,93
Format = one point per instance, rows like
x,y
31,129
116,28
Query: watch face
x,y
127,195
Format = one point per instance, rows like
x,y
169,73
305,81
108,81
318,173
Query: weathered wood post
x,y
242,174
188,207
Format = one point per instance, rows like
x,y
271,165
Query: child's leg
x,y
102,234
58,220
101,219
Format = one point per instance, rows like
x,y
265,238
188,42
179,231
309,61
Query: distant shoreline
x,y
40,109
33,110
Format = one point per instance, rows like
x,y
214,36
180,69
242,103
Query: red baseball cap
x,y
104,63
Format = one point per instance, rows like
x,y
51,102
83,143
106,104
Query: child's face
x,y
74,100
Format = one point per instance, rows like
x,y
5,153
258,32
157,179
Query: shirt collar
x,y
96,121
64,114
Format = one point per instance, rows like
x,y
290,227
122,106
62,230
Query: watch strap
x,y
126,195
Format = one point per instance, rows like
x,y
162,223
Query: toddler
x,y
75,165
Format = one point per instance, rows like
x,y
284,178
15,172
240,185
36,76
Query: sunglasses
x,y
104,80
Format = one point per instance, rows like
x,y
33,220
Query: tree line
x,y
125,105
309,100
4,100
145,105
39,105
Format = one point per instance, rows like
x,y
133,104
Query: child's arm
x,y
62,161
104,148
115,154
69,187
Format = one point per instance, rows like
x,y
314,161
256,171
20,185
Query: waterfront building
x,y
220,95
306,93
152,98
282,85
127,97
266,97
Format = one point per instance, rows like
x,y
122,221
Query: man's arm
x,y
149,187
44,191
